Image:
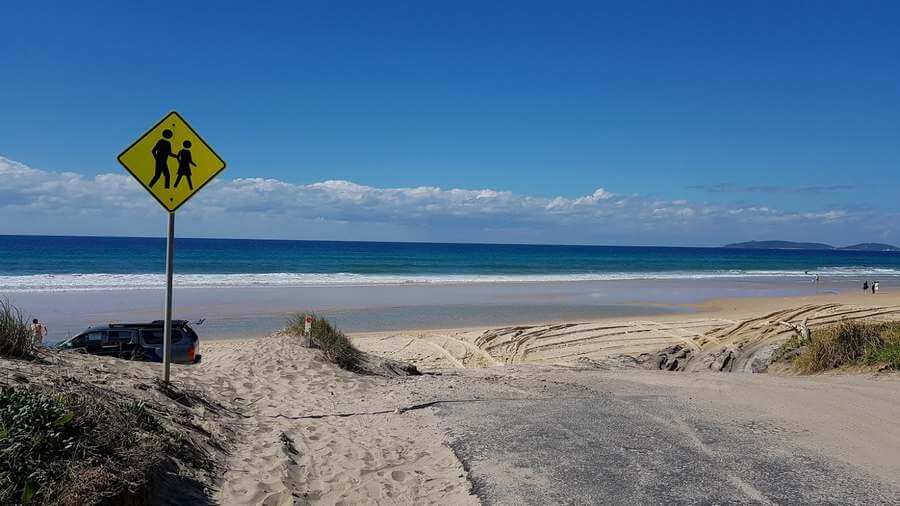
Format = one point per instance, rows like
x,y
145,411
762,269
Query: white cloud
x,y
65,202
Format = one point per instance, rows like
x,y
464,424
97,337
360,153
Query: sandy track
x,y
284,459
705,337
541,344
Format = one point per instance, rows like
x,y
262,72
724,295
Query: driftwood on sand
x,y
802,330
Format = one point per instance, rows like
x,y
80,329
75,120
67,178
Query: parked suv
x,y
137,341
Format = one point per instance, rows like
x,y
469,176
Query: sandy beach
x,y
539,413
563,342
315,433
248,311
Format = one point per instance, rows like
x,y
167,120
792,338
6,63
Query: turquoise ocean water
x,y
35,263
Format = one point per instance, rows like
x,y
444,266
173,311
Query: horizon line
x,y
462,243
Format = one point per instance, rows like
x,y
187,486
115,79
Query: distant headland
x,y
866,246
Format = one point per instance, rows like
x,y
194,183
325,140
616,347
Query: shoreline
x,y
258,311
107,282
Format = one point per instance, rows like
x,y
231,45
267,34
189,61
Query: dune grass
x,y
335,345
851,343
70,442
75,448
16,338
36,436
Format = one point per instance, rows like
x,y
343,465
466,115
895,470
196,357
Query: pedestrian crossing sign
x,y
172,161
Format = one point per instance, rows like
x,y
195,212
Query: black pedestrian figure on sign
x,y
184,165
161,153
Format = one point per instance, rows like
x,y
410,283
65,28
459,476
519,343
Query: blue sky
x,y
775,109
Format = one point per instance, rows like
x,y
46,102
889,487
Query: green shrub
x,y
889,353
889,356
851,343
335,345
37,439
16,338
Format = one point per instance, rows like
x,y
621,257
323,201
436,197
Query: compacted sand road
x,y
651,437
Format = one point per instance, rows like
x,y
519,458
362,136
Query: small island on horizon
x,y
866,246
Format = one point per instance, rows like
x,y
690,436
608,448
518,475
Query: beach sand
x,y
304,431
316,433
710,325
306,435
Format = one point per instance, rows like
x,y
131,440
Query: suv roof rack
x,y
176,323
154,323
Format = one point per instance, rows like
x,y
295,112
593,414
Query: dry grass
x,y
16,338
335,345
851,343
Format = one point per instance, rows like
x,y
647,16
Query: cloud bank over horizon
x,y
60,203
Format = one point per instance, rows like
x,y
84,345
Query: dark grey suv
x,y
137,341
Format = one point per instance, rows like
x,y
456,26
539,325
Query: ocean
x,y
50,263
242,288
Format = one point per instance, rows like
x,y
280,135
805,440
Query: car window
x,y
190,333
155,336
94,337
152,336
120,336
74,342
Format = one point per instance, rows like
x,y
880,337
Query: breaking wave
x,y
100,281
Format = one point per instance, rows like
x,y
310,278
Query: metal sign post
x,y
167,327
150,159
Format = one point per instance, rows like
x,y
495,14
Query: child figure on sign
x,y
184,165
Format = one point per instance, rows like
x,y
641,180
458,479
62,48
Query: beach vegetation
x,y
37,441
16,338
334,344
851,343
79,446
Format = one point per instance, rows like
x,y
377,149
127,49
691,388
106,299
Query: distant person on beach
x,y
184,165
875,286
40,332
865,286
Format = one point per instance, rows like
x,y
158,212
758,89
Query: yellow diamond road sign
x,y
172,161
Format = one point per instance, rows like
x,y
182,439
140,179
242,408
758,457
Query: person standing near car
x,y
40,332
